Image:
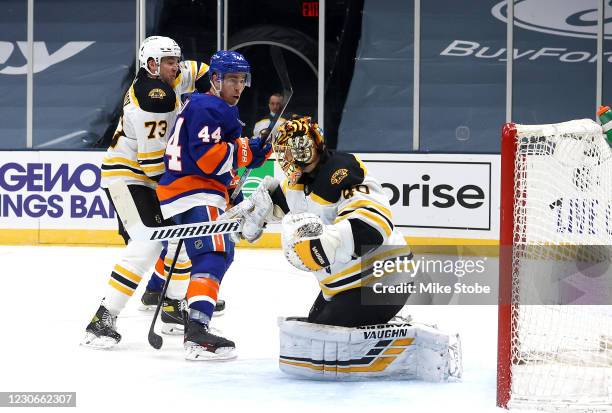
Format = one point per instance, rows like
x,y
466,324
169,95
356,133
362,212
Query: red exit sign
x,y
310,8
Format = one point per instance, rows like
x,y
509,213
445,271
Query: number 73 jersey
x,y
150,107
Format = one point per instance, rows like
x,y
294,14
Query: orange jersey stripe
x,y
159,267
212,158
203,286
189,183
218,242
212,212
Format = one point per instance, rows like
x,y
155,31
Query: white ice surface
x,y
50,293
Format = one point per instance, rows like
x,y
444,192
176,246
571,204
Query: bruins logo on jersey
x,y
157,93
338,176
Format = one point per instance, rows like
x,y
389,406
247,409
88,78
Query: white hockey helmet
x,y
156,47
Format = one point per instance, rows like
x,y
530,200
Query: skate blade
x,y
144,307
219,313
172,329
101,343
199,353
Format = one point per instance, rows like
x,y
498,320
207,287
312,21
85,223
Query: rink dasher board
x,y
53,197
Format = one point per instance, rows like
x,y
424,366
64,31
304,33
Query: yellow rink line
x,y
60,237
449,246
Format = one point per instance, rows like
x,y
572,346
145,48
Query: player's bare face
x,y
168,69
232,87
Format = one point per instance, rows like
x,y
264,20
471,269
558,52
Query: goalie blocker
x,y
394,350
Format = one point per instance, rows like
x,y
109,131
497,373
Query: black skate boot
x,y
219,308
149,299
102,330
173,317
201,344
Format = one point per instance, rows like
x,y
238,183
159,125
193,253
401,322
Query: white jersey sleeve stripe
x,y
228,165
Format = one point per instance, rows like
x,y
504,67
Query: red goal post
x,y
506,220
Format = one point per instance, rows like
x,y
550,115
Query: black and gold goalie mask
x,y
296,145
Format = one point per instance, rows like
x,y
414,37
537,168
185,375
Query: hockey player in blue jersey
x,y
202,156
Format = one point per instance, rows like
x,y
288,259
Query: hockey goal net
x,y
555,324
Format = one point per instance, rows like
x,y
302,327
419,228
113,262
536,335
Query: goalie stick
x,y
281,69
130,218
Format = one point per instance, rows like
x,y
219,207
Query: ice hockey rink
x,y
50,293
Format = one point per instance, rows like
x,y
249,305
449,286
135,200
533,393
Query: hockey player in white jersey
x,y
135,156
337,224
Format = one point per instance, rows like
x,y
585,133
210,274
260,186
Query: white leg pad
x,y
395,351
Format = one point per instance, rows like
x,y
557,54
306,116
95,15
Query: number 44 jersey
x,y
202,156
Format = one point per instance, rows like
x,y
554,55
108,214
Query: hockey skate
x,y
201,344
102,330
150,299
172,317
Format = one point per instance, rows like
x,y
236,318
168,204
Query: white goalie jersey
x,y
342,194
150,107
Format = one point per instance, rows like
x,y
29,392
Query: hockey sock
x,y
121,286
156,282
180,277
202,297
125,276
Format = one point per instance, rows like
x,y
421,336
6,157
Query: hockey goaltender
x,y
336,221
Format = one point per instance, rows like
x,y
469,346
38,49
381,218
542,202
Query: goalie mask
x,y
296,145
156,48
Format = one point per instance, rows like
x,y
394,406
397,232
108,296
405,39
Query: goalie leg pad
x,y
398,351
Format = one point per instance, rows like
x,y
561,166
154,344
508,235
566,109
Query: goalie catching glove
x,y
255,211
310,245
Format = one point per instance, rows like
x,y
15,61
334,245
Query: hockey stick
x,y
130,218
281,69
155,340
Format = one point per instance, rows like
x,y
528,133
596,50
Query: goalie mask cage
x,y
556,213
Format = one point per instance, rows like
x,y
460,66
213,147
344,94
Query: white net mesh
x,y
561,324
